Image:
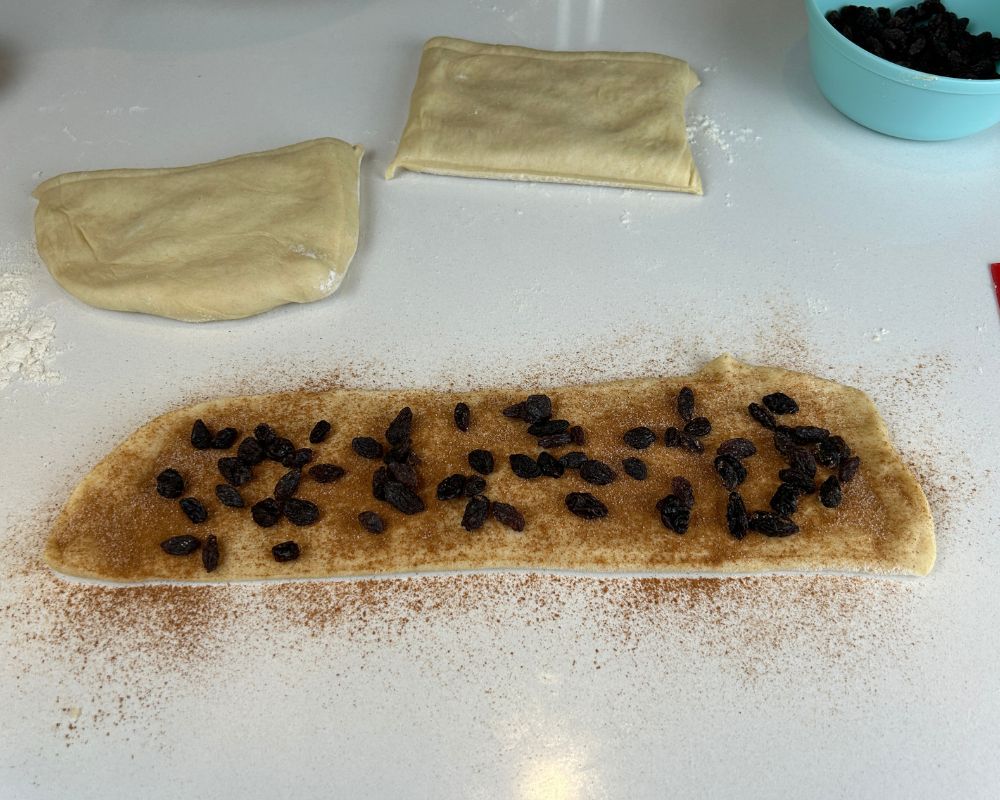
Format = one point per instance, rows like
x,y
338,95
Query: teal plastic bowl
x,y
895,100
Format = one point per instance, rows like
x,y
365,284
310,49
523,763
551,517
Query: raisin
x,y
536,407
783,441
763,416
367,447
785,500
300,512
474,484
780,403
463,416
736,516
326,473
201,437
266,512
524,466
555,440
224,439
279,448
234,471
405,474
737,448
228,496
572,460
674,514
849,468
577,435
400,454
210,553
398,431
297,458
809,434
285,551
585,505
699,427
832,451
250,452
515,411
509,516
635,468
371,522
801,460
691,443
180,545
476,511
264,434
829,492
730,470
402,498
169,484
451,487
550,465
772,525
596,472
319,431
380,478
548,427
194,510
682,488
287,484
685,403
481,461
672,437
639,438
801,482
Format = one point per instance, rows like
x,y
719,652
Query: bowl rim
x,y
888,69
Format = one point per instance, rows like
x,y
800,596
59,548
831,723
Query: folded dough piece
x,y
213,241
498,111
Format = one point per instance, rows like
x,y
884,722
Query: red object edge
x,y
995,272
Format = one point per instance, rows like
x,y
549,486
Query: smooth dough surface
x,y
221,240
113,522
599,118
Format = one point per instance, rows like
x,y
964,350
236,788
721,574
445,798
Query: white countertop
x,y
818,245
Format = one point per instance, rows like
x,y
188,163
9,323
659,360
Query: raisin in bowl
x,y
898,100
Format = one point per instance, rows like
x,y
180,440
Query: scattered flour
x,y
703,128
27,336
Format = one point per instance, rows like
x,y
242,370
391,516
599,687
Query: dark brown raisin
x,y
506,514
672,437
809,434
319,431
596,472
691,443
635,468
737,448
547,427
405,474
801,460
572,460
780,403
674,514
194,510
403,498
785,500
682,488
730,470
849,468
234,471
736,516
577,435
463,416
783,441
524,466
585,505
201,437
228,496
266,512
250,451
300,512
762,415
685,403
772,525
803,483
699,426
169,484
398,431
326,473
367,447
285,551
278,448
264,434
451,487
400,454
287,484
474,484
476,511
515,411
481,461
829,492
639,438
210,553
297,458
536,407
371,522
224,439
550,465
180,545
555,440
380,478
832,451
